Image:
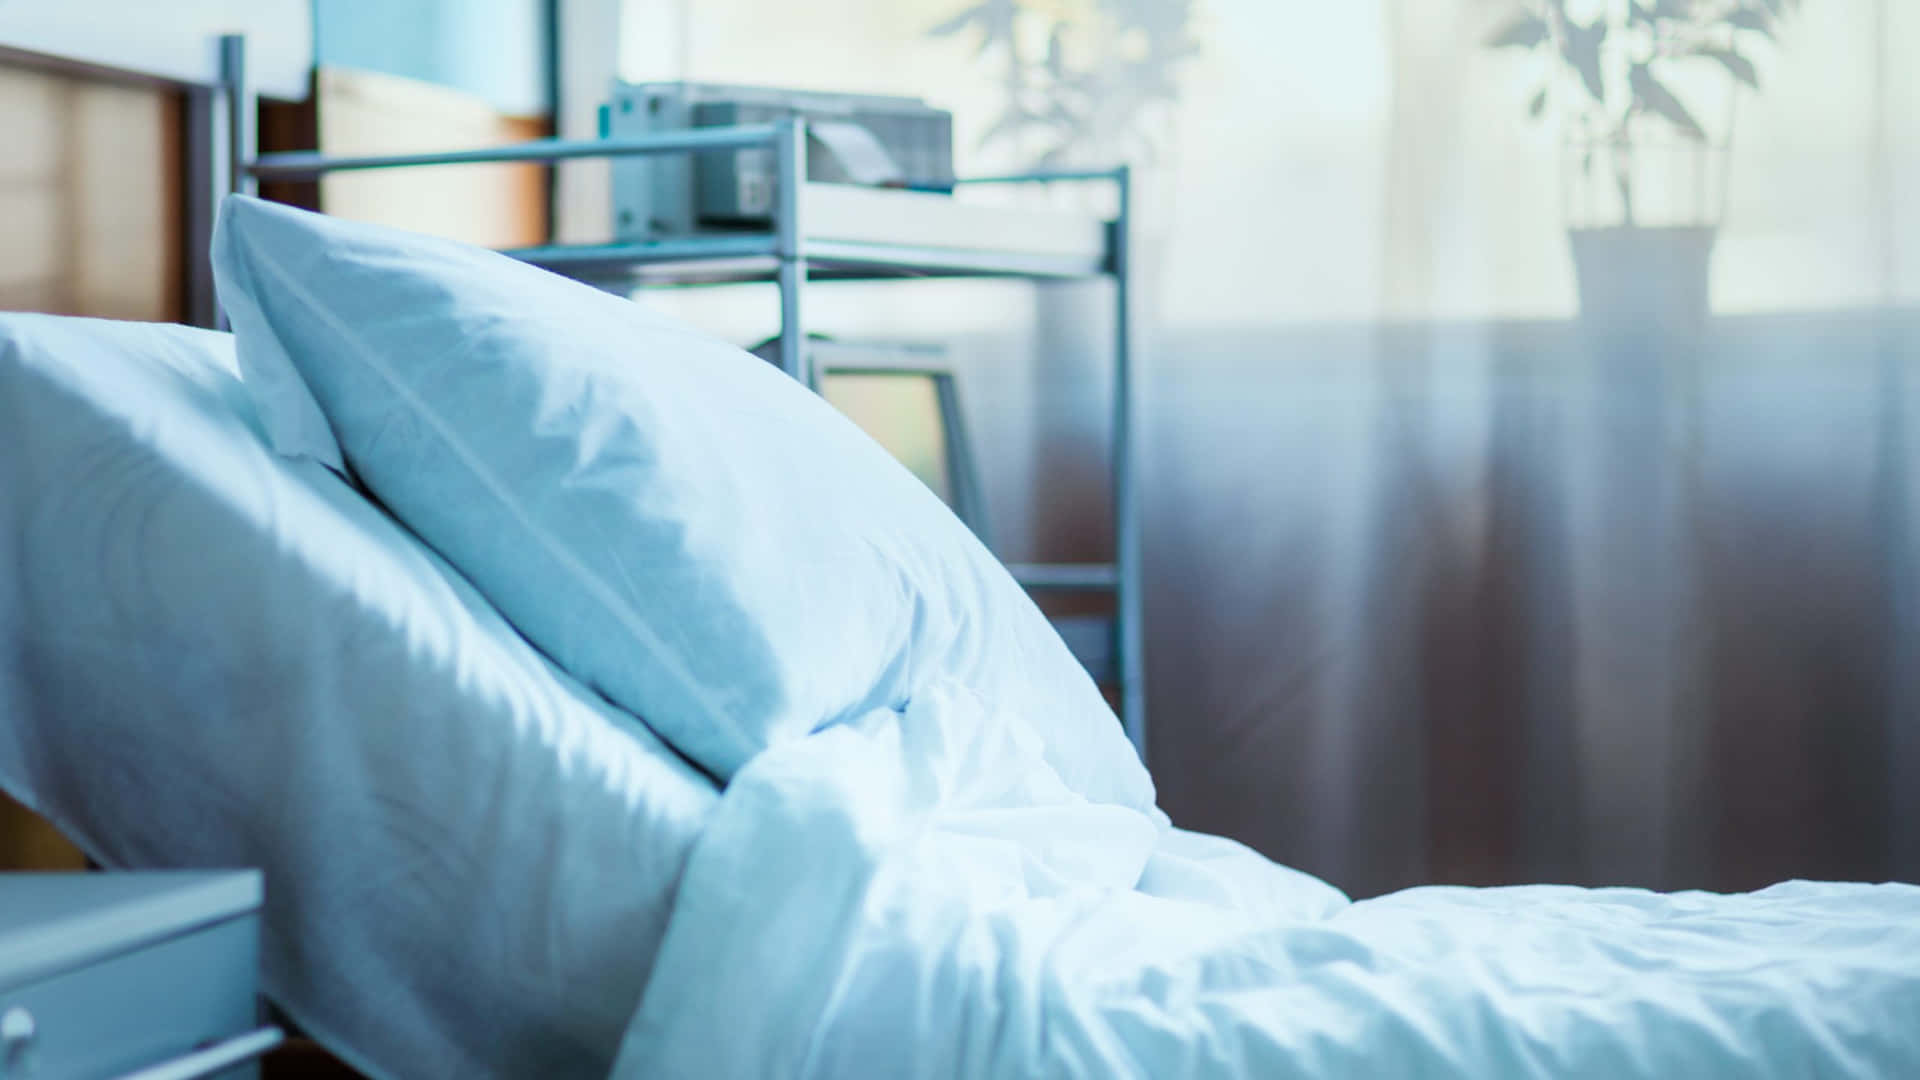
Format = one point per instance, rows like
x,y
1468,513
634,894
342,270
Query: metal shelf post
x,y
1126,520
790,152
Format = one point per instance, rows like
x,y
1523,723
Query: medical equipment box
x,y
866,139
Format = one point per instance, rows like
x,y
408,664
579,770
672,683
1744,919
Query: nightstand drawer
x,y
147,975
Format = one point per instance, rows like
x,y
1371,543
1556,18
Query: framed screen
x,y
905,397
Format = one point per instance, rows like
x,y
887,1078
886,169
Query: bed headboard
x,y
127,183
173,85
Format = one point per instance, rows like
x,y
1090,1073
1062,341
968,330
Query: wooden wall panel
x,y
89,197
361,112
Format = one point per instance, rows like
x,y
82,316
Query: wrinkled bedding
x,y
213,657
917,894
210,656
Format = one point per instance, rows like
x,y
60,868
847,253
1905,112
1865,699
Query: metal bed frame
x,y
222,158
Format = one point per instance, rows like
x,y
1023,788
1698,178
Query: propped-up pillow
x,y
211,656
673,520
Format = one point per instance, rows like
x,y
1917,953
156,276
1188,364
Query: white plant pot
x,y
1651,278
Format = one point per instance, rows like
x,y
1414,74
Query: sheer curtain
x,y
1448,583
1455,585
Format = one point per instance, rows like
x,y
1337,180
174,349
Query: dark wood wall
x,y
89,196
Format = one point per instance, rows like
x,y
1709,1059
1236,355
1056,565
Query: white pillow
x,y
673,520
211,656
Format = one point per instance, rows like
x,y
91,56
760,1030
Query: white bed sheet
x,y
210,656
952,909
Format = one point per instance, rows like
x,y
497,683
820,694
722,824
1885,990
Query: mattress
x,y
214,657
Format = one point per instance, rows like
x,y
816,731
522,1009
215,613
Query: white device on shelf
x,y
863,139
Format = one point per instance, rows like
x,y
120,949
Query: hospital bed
x,y
480,862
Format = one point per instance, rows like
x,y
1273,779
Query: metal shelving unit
x,y
803,248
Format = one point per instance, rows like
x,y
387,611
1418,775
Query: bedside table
x,y
140,976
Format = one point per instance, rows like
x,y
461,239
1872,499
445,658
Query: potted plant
x,y
1644,178
1086,82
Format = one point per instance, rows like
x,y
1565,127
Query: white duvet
x,y
918,895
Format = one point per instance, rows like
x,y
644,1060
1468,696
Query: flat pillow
x,y
211,656
676,522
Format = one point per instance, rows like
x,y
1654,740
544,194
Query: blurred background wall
x,y
1448,581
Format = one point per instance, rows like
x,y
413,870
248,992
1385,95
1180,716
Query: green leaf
x,y
1582,50
1653,12
1740,67
958,23
1751,19
1523,32
1651,94
1538,105
993,17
